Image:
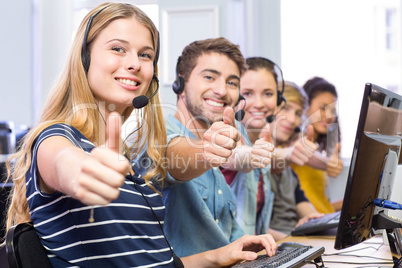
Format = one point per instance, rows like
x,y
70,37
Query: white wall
x,y
16,61
182,22
35,36
342,41
52,41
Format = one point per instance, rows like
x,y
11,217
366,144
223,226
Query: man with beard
x,y
200,213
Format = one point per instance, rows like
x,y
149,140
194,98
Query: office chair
x,y
24,249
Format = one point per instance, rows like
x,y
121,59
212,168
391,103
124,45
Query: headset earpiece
x,y
85,56
178,85
158,47
281,99
86,60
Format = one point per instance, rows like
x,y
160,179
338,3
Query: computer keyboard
x,y
289,254
326,222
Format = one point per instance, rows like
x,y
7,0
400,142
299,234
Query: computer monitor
x,y
373,165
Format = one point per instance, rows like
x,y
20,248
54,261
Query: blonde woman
x,y
291,206
72,178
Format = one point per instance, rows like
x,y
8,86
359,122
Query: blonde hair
x,y
71,101
293,93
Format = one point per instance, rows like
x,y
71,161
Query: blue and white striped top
x,y
125,233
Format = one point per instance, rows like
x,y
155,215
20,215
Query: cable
x,y
104,121
344,253
130,177
177,261
379,259
353,250
386,204
359,256
138,128
359,263
314,263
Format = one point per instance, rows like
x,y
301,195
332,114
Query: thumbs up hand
x,y
335,165
303,148
104,171
310,133
229,117
220,139
261,152
266,134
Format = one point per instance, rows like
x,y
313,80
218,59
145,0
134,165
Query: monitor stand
x,y
395,244
393,228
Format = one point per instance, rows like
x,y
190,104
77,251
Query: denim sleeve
x,y
172,131
237,232
170,180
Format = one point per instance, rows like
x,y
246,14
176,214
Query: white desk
x,y
371,253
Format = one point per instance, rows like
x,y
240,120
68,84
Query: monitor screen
x,y
373,165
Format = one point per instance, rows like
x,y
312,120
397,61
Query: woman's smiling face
x,y
259,88
322,112
121,65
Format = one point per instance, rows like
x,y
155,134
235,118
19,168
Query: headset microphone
x,y
142,100
270,118
297,130
239,115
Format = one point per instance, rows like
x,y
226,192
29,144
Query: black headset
x,y
85,55
281,98
178,83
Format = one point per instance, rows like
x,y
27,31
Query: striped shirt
x,y
125,233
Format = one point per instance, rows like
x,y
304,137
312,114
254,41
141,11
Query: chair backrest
x,y
3,256
24,249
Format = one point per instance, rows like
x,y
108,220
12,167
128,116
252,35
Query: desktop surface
x,y
370,253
